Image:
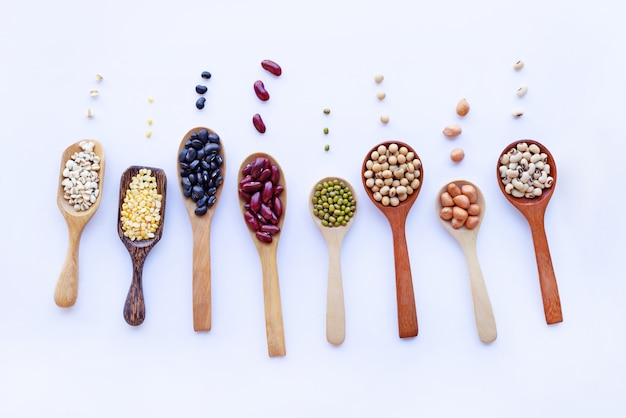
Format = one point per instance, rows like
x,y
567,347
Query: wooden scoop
x,y
135,308
396,215
483,313
534,210
66,290
267,254
334,235
201,228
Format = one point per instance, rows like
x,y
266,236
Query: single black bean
x,y
211,191
192,179
187,192
200,210
200,103
185,182
213,137
200,89
212,147
205,74
203,135
211,201
191,155
205,164
197,144
182,155
197,192
202,201
193,166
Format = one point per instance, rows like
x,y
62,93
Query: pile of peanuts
x,y
460,206
140,215
81,177
525,171
392,173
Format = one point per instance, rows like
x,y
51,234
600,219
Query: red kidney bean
x,y
246,179
251,220
255,202
271,229
277,204
267,192
272,67
244,196
264,237
265,176
265,211
257,167
273,219
258,123
275,175
261,92
278,190
252,186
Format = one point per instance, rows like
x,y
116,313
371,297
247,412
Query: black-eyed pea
x,y
446,213
461,201
446,200
454,189
472,222
470,191
473,209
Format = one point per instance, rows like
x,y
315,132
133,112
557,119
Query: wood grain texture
x,y
201,257
483,312
66,289
534,212
134,307
396,216
335,304
269,267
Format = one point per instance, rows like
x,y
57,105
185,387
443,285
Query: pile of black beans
x,y
200,163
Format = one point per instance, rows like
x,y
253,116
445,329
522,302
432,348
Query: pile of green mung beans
x,y
333,203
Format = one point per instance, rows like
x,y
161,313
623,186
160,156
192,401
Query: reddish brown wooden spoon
x,y
534,211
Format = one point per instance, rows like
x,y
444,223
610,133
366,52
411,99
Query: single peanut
x,y
459,213
470,191
472,222
454,190
462,201
446,213
462,107
446,200
474,209
452,131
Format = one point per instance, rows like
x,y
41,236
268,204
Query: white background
x,y
86,361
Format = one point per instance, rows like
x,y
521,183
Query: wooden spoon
x,y
483,313
396,215
135,308
66,290
334,235
201,227
267,254
534,211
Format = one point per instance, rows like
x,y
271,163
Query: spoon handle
x,y
271,300
483,313
407,315
135,308
201,282
335,309
547,278
66,290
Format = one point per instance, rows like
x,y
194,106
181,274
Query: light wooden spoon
x,y
66,290
483,313
135,308
267,254
201,227
335,308
396,215
534,211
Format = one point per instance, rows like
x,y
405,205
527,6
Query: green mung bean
x,y
333,203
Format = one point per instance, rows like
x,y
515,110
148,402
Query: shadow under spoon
x,y
134,307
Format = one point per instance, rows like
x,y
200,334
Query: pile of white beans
x,y
392,173
81,177
525,171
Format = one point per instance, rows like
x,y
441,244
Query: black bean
x,y
191,155
211,201
200,89
201,210
211,191
192,179
194,165
197,144
202,201
213,137
205,74
185,182
212,147
203,135
182,155
197,192
200,103
187,192
205,164
219,160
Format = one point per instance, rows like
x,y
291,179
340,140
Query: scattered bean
x,y
99,77
462,107
518,65
89,113
326,111
459,206
140,214
384,119
378,78
148,134
381,95
517,112
272,67
521,92
326,147
258,123
200,103
81,177
200,163
333,203
205,75
457,155
200,89
260,91
525,171
452,131
93,92
261,198
325,131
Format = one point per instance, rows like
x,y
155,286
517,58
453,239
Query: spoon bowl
x,y
135,308
334,235
200,207
66,289
466,237
533,209
396,215
251,170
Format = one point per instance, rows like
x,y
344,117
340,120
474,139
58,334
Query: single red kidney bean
x,y
252,186
267,192
265,211
244,196
270,229
273,219
258,123
246,179
272,67
261,92
278,189
264,237
261,219
278,206
255,202
251,220
275,174
265,175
